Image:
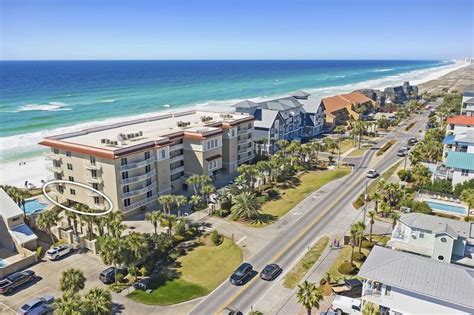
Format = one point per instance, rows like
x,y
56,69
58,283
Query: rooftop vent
x,y
183,124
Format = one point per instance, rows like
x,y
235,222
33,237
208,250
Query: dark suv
x,y
16,279
241,273
108,275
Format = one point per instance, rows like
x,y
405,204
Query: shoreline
x,y
34,171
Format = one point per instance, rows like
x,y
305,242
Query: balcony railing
x,y
176,158
96,206
55,169
244,131
246,150
243,141
140,203
139,191
176,147
94,180
177,170
53,156
131,166
245,158
88,165
139,178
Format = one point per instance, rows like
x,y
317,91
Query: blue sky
x,y
236,29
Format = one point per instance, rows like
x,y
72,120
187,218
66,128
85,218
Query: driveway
x,y
48,273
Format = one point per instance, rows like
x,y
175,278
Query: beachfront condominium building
x,y
458,165
404,283
442,239
467,107
339,109
134,162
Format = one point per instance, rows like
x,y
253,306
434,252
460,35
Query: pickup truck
x,y
350,287
16,279
346,305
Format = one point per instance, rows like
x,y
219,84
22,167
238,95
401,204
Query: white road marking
x,y
241,240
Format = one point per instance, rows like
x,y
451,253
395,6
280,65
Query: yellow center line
x,y
281,252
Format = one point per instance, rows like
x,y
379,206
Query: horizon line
x,y
444,60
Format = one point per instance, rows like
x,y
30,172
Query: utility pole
x,y
366,197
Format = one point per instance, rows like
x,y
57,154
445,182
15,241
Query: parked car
x,y
270,272
412,141
350,287
59,251
372,174
241,274
143,284
16,279
346,305
41,305
108,275
401,153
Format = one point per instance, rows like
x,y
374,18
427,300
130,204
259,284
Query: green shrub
x,y
347,269
144,271
322,281
216,238
405,175
266,187
180,228
439,185
385,147
119,277
366,244
458,189
39,251
360,257
273,194
262,199
417,206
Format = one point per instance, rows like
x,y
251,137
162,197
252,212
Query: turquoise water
x,y
446,208
33,205
40,98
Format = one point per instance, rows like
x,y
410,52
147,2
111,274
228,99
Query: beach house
x,y
467,107
134,162
442,239
314,113
276,119
339,109
403,283
17,241
400,94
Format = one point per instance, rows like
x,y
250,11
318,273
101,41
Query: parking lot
x,y
48,273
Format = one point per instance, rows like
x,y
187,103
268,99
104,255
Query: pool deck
x,y
446,201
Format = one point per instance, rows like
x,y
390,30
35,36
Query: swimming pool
x,y
3,263
436,206
33,205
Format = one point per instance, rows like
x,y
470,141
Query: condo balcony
x,y
139,191
96,206
176,158
243,141
140,203
176,147
54,169
88,165
131,166
93,193
244,131
177,170
245,158
94,180
53,156
246,150
139,178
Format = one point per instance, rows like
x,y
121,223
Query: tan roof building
x,y
340,108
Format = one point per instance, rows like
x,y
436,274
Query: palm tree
x,y
111,250
46,220
72,280
194,201
330,144
339,130
394,216
68,304
359,128
372,221
249,172
421,174
376,197
194,182
180,201
354,233
206,192
98,301
309,295
360,226
72,220
166,201
467,196
88,218
138,247
154,217
246,206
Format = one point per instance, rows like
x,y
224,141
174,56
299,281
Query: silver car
x,y
41,305
372,174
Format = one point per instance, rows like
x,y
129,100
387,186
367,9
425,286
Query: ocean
x,y
40,98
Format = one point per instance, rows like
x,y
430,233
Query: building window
x,y
72,191
95,186
443,239
163,154
147,155
388,290
126,202
56,151
233,132
94,173
123,161
71,179
208,145
68,153
92,159
124,175
148,181
440,257
69,166
126,189
96,200
422,235
61,189
15,219
149,194
147,168
250,125
464,172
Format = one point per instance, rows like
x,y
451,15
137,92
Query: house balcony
x,y
176,147
138,191
96,206
88,165
139,178
94,180
53,156
55,169
176,159
177,170
443,172
140,203
131,166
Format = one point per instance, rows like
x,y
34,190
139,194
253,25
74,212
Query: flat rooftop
x,y
157,128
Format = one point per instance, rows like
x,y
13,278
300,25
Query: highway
x,y
291,243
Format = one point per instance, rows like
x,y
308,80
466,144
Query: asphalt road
x,y
291,243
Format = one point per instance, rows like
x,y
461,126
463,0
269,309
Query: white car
x,y
346,305
59,251
372,174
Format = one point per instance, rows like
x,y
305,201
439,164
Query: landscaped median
x,y
290,197
385,147
193,275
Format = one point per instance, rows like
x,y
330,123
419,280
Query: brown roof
x,y
461,120
335,103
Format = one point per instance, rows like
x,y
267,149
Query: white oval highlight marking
x,y
107,199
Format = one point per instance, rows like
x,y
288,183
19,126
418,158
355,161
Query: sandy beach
x,y
34,169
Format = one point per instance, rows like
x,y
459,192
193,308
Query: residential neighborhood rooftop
x,y
425,276
334,103
460,160
437,224
461,120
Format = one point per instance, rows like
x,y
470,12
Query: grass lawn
x,y
196,274
357,152
295,275
346,144
309,182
